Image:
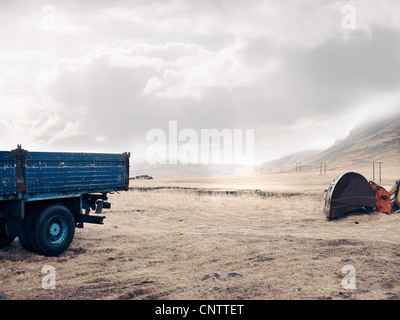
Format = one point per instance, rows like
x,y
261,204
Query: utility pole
x,y
298,167
380,172
322,168
373,171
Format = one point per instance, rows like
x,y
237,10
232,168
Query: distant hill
x,y
372,142
376,141
290,159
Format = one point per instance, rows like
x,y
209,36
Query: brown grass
x,y
160,244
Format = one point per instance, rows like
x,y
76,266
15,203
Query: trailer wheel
x,y
5,240
26,233
52,230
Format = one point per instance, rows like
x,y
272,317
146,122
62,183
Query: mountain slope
x,y
375,141
372,142
290,159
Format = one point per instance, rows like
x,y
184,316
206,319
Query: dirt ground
x,y
184,238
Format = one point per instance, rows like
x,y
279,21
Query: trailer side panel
x,y
8,174
53,172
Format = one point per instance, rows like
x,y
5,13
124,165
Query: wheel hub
x,y
55,229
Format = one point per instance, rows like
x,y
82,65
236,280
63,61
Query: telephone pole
x,y
379,170
373,171
322,168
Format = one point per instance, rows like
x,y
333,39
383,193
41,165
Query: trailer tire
x,y
53,230
5,240
27,230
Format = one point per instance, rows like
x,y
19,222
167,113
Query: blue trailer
x,y
44,196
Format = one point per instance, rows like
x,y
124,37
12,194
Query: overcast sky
x,y
98,75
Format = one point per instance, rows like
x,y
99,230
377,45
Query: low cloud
x,y
288,70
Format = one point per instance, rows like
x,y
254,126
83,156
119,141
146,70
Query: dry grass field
x,y
186,238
